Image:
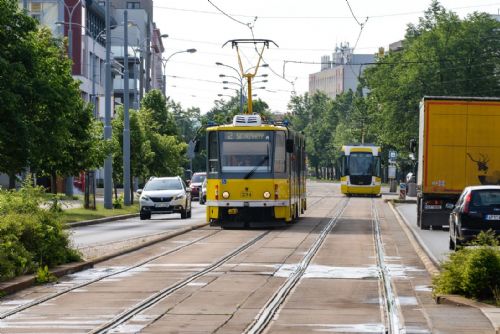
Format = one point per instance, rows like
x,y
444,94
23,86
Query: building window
x,y
133,5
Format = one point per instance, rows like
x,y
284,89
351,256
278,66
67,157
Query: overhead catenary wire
x,y
261,17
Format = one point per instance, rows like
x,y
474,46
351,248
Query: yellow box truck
x,y
459,146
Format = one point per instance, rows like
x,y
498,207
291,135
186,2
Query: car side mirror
x,y
289,146
139,191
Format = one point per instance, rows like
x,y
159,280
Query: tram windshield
x,y
245,151
361,163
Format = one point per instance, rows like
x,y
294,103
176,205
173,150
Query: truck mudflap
x,y
434,211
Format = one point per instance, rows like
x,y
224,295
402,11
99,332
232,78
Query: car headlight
x,y
225,194
181,195
145,198
267,194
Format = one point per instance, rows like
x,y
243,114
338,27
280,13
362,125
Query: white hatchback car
x,y
165,195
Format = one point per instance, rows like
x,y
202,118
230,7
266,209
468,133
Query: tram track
x,y
392,310
272,306
48,297
51,296
164,293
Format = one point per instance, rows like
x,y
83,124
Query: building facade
x,y
340,72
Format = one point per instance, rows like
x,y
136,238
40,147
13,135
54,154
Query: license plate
x,y
492,217
162,205
232,211
432,207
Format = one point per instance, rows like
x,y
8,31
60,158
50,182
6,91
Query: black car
x,y
477,209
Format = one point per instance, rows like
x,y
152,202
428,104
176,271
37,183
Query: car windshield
x,y
487,197
198,178
163,184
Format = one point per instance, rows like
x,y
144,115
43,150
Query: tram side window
x,y
279,154
343,166
213,159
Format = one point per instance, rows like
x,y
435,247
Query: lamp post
x,y
70,11
164,63
108,162
126,120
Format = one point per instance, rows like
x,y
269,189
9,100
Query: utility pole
x,y
108,162
126,123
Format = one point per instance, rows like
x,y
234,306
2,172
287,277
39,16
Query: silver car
x,y
165,195
203,192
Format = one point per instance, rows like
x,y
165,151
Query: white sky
x,y
304,31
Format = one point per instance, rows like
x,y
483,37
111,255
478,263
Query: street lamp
x,y
70,11
240,78
164,63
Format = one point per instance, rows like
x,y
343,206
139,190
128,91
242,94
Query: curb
x,y
491,312
26,281
100,220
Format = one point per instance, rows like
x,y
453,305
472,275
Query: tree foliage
x,y
45,124
442,55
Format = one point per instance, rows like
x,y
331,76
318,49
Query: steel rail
x,y
78,286
391,302
272,306
162,294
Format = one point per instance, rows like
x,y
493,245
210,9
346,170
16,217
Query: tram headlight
x,y
225,194
267,195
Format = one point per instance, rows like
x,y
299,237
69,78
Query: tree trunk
x,y
12,180
316,167
116,192
53,182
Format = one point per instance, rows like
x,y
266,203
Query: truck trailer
x,y
459,146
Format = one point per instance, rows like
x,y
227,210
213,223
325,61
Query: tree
x,y
141,154
15,82
314,115
442,55
60,123
162,119
160,130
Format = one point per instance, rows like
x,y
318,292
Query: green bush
x,y
482,273
31,237
14,258
473,271
118,202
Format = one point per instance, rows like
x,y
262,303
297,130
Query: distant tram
x,y
360,170
256,174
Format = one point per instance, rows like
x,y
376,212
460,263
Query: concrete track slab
x,y
186,323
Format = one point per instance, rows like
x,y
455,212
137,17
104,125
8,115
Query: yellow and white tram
x,y
360,170
256,174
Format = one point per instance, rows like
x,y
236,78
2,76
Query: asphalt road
x,y
99,234
435,242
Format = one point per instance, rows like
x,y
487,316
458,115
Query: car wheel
x,y
184,212
145,216
189,213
